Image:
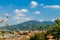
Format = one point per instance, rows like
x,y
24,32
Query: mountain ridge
x,y
29,25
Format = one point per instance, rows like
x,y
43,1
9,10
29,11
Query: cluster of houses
x,y
21,35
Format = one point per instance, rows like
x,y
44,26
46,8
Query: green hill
x,y
30,25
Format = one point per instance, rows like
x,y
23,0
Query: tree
x,y
40,36
55,31
57,21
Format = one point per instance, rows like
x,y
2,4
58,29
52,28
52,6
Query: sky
x,y
24,10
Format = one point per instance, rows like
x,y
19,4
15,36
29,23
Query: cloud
x,y
24,10
41,20
37,12
3,20
53,19
15,18
41,4
34,4
20,11
22,19
28,18
50,6
7,14
53,6
21,16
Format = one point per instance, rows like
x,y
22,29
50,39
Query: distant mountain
x,y
30,25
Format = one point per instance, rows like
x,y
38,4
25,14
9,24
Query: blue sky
x,y
24,10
